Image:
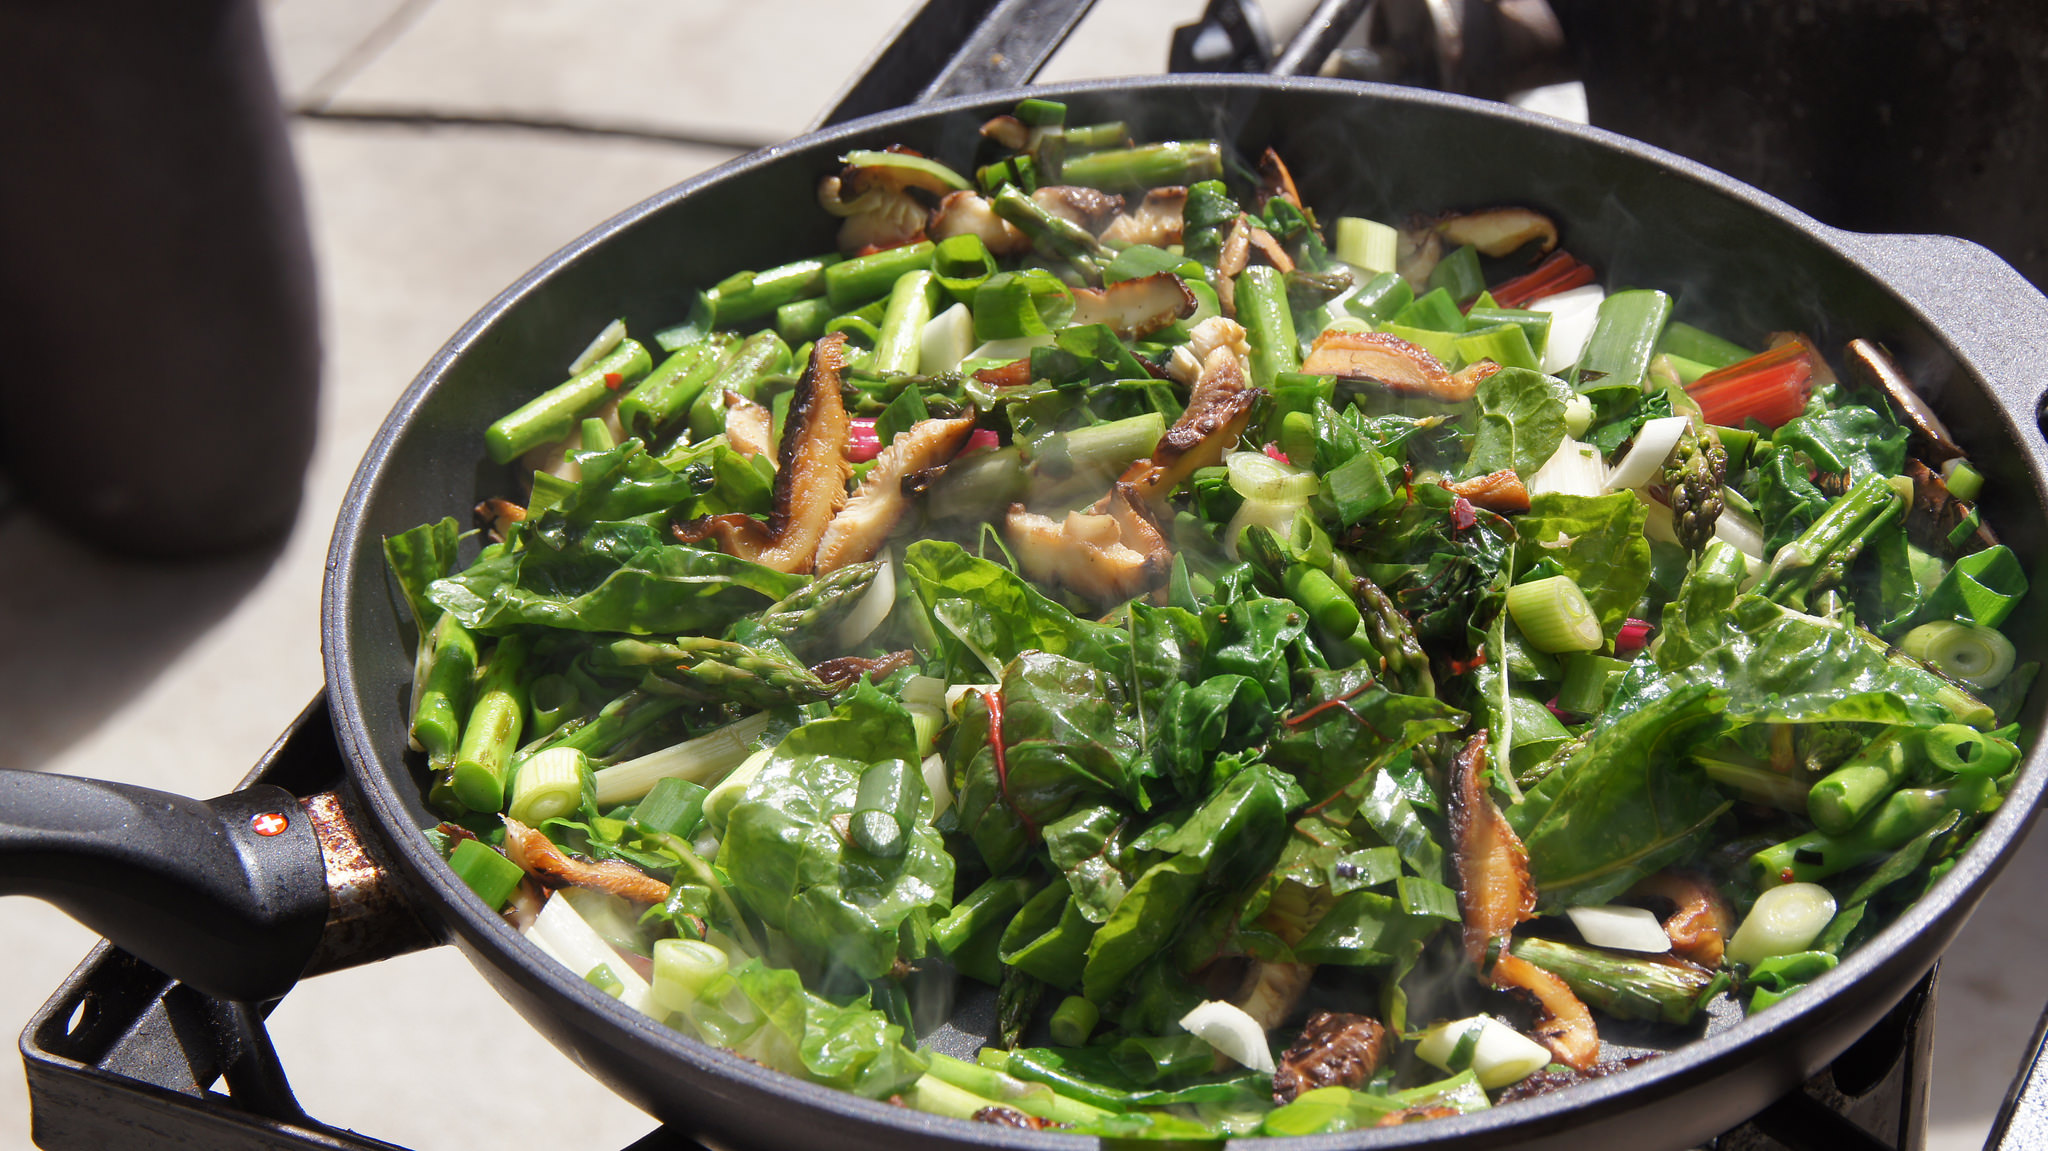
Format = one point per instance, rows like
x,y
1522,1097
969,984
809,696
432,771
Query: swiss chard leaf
x,y
1624,802
854,1048
988,615
841,908
419,557
1596,540
1521,421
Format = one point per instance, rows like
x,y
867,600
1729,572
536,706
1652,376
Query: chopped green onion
x,y
910,162
1964,482
1258,476
1368,244
489,874
924,697
1498,1054
601,345
704,760
1554,615
1979,656
1961,750
1073,1021
682,969
1785,919
548,784
675,807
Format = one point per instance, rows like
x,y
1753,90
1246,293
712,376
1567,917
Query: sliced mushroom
x,y
1701,920
496,516
1265,245
1391,361
1936,514
1500,231
1007,131
1158,221
552,867
848,669
747,425
1500,491
1204,338
1563,1023
1334,1050
969,214
1870,366
1083,207
1419,252
1275,181
1219,406
883,205
1014,374
1105,557
810,477
1134,309
1494,891
857,532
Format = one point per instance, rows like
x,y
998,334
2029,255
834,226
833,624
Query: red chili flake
x,y
1461,666
268,823
612,380
1632,636
1787,875
1463,517
1273,450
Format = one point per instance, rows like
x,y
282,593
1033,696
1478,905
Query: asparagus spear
x,y
717,670
1820,557
492,732
1624,986
1055,237
437,722
1146,166
556,412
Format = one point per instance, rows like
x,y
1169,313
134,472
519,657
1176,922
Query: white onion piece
x,y
1646,459
945,341
1258,476
571,941
613,335
1620,928
1015,348
934,769
1230,1030
1574,469
1276,516
1501,1056
1573,315
873,608
1578,414
1740,530
1784,920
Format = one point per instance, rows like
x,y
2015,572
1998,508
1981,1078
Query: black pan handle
x,y
229,895
956,48
1996,320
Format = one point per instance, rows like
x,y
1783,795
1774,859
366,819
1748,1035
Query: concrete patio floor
x,y
193,670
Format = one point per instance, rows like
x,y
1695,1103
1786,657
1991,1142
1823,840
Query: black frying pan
x,y
1967,328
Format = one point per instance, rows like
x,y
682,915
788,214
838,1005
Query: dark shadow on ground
x,y
81,632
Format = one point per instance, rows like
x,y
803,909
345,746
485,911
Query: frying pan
x,y
1965,326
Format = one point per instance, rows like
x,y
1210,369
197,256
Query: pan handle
x,y
956,48
228,894
1996,320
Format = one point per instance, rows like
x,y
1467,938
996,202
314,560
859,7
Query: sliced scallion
x,y
548,784
1554,615
704,760
1258,476
1964,482
1368,244
1979,656
489,874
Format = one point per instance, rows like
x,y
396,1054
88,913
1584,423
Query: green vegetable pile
x,y
1701,612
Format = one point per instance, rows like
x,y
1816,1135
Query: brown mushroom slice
x,y
1494,892
1014,374
1088,208
1007,131
810,475
1701,921
1263,242
1218,408
1420,250
857,532
1159,220
1275,180
969,214
845,670
496,516
540,858
1134,309
1105,557
1390,361
748,425
1500,231
884,198
1870,366
1334,1050
1500,491
1563,1023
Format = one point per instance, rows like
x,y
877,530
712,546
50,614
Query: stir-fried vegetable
x,y
1093,583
